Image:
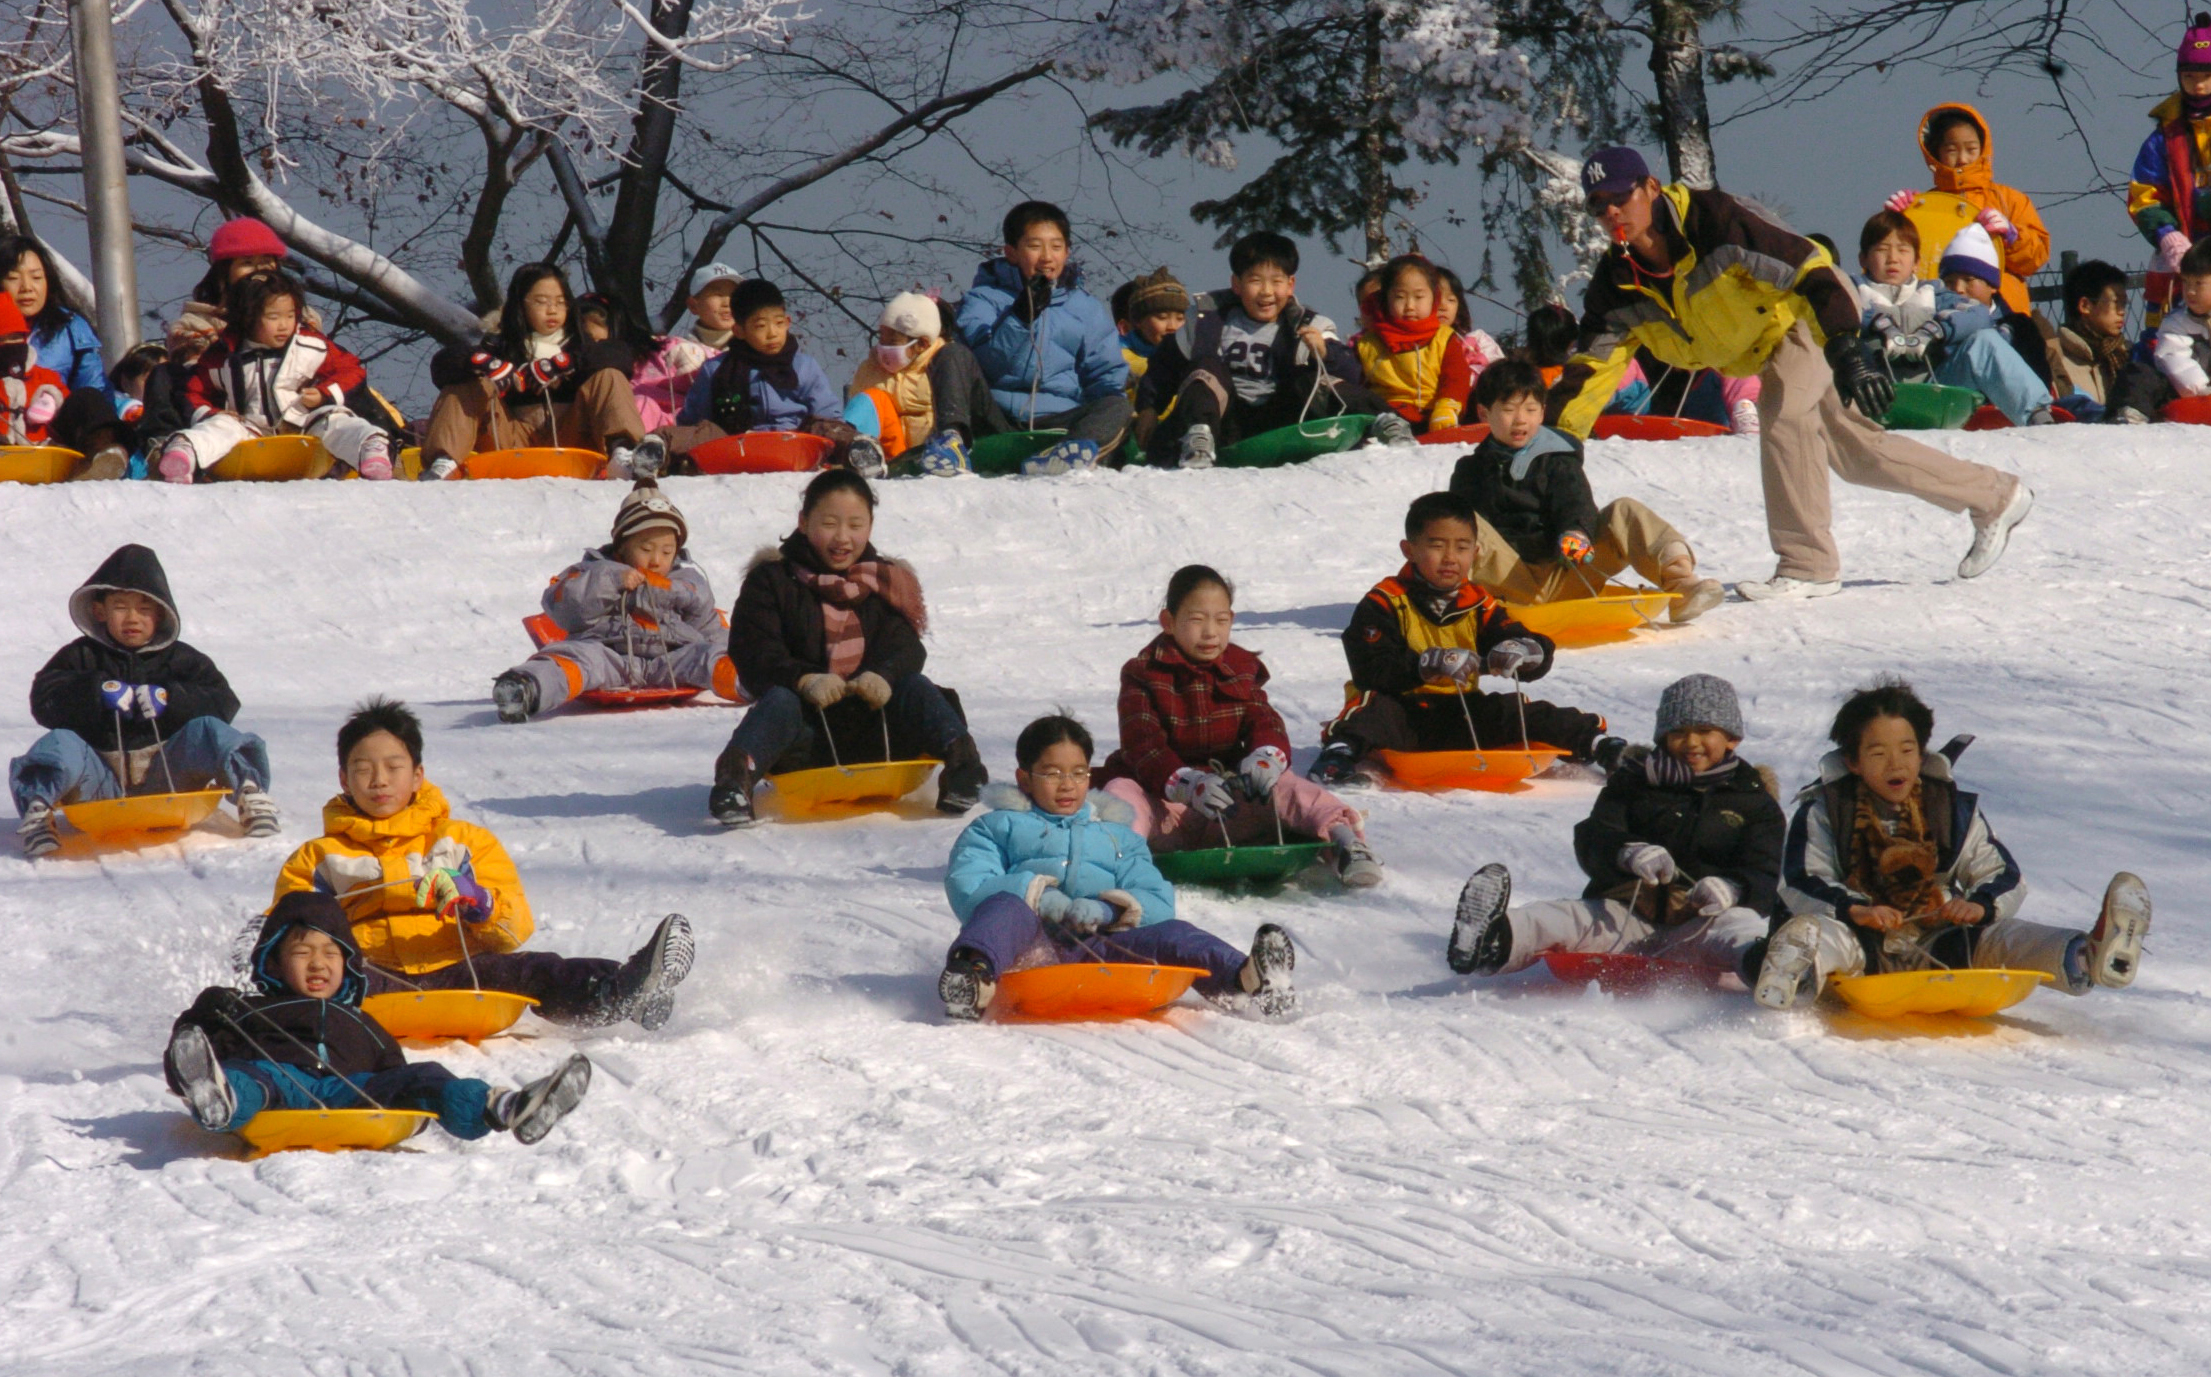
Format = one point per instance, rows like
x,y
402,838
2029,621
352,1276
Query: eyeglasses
x,y
1061,776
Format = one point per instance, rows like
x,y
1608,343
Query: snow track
x,y
808,1171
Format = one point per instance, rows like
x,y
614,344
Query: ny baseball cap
x,y
1613,172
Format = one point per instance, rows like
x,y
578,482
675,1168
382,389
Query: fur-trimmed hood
x,y
1099,804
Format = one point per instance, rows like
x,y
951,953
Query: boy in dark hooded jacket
x,y
106,697
301,1041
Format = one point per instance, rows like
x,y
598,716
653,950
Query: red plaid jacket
x,y
1176,712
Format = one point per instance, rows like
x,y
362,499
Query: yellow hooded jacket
x,y
371,864
909,392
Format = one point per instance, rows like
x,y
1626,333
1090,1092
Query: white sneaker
x,y
1743,417
1782,588
257,811
1791,966
2115,944
1989,541
439,469
1197,447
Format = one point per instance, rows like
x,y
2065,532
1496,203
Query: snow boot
x,y
645,987
376,458
514,694
1338,765
38,833
650,458
966,987
1481,934
1389,428
178,463
1356,866
1266,973
1677,574
1989,541
2115,943
944,455
866,458
257,811
960,783
1197,447
104,465
1063,456
1791,968
530,1113
200,1079
730,801
1605,754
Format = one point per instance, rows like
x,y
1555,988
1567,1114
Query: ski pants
x,y
344,434
1437,722
1305,810
2002,944
63,767
424,1085
576,990
566,669
1008,934
1629,535
781,732
1988,364
1609,926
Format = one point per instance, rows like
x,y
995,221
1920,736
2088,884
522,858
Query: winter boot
x,y
1063,456
110,463
966,987
1605,753
1481,934
730,801
376,458
1355,864
1337,766
257,811
650,458
1791,968
439,469
944,455
1389,428
2115,943
645,987
515,695
177,463
960,783
1266,973
1197,447
866,458
38,833
206,1090
530,1113
1989,541
1677,574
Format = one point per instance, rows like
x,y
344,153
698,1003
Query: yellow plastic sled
x,y
331,1130
131,817
36,463
434,1015
274,459
1612,615
836,787
1965,993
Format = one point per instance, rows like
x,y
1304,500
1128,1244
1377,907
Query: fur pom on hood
x,y
1103,806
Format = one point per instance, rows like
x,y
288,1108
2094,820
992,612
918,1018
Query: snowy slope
x,y
809,1171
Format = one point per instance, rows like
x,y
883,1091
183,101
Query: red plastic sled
x,y
1457,435
762,451
1652,428
544,631
2189,411
1623,973
1987,417
1091,990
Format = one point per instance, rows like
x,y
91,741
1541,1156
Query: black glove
x,y
1035,295
1858,377
219,1007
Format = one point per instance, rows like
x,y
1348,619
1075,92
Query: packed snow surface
x,y
808,1170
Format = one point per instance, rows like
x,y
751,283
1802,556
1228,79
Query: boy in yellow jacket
x,y
436,904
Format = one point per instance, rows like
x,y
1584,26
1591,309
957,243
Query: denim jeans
x,y
63,767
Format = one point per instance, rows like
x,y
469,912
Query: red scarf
x,y
1401,336
841,594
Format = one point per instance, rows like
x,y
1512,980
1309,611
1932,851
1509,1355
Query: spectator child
x,y
2180,362
919,394
712,321
1481,349
2092,346
2169,197
663,366
1204,757
1968,262
1928,330
1053,871
1955,141
1147,311
1552,333
764,381
1412,358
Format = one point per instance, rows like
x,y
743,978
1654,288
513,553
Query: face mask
x,y
892,357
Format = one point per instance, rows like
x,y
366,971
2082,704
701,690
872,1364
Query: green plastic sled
x,y
1239,865
996,456
1296,444
1926,406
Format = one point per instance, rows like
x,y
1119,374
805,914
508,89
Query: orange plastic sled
x,y
1964,993
1652,428
1457,435
762,451
835,788
434,1015
1612,615
534,463
36,463
273,459
331,1130
1625,973
1494,770
544,631
137,816
1091,990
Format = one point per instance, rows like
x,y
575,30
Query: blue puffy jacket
x,y
72,351
1074,344
1021,850
771,409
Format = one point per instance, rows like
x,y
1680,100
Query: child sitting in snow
x,y
436,904
272,374
1253,359
1539,534
1418,645
2092,345
104,696
30,393
1682,850
1053,874
1413,360
1929,331
764,381
826,634
1203,755
919,394
1955,141
1891,867
1147,311
300,1041
662,367
2180,362
1969,269
638,613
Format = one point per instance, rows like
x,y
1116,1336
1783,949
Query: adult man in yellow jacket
x,y
1702,280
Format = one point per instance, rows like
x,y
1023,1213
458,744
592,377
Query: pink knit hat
x,y
244,237
2195,44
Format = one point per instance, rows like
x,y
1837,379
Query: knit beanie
x,y
1701,700
913,315
244,237
1973,254
1156,292
647,508
2195,44
11,317
751,296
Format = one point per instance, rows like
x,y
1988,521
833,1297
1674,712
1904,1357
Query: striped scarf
x,y
840,596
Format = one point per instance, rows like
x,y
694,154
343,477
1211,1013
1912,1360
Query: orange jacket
x,y
1976,185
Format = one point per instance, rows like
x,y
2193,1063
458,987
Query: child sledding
x,y
1052,874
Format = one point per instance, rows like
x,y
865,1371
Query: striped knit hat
x,y
647,508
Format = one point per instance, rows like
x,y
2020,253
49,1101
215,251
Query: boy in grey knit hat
x,y
1683,853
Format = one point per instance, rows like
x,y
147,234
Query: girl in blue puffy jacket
x,y
1053,874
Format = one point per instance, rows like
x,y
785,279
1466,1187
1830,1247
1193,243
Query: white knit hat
x,y
1973,253
913,315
